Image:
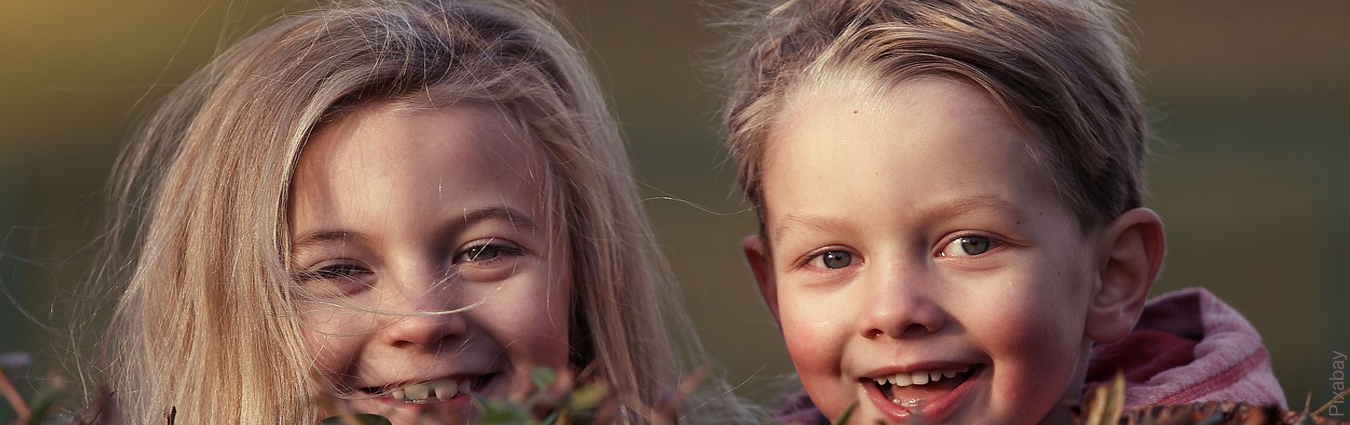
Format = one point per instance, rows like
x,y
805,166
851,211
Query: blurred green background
x,y
1251,100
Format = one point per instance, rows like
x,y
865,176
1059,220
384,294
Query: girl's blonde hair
x,y
205,324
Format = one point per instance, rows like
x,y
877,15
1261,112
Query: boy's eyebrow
x,y
950,208
820,223
518,219
965,205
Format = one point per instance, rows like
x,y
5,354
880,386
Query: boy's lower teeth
x,y
910,403
908,392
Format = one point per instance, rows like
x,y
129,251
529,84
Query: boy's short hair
x,y
1058,65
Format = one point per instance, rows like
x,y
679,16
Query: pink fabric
x,y
1229,362
1187,347
799,410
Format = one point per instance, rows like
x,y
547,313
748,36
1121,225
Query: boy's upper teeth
x,y
905,379
441,389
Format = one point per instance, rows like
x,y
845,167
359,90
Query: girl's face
x,y
430,266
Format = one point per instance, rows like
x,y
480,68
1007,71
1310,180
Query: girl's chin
x,y
459,409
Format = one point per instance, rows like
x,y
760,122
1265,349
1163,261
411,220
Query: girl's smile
x,y
430,265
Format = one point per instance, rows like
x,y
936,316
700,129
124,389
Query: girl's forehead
x,y
411,136
380,151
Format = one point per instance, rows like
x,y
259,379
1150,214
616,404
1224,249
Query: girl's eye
x,y
966,246
334,271
486,252
832,260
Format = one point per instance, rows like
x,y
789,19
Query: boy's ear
x,y
761,263
1130,253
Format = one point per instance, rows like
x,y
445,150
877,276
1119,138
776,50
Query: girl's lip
x,y
478,384
478,379
934,410
460,406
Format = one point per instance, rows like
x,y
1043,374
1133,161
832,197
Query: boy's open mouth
x,y
429,392
911,390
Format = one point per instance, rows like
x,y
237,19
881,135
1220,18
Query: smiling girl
x,y
396,204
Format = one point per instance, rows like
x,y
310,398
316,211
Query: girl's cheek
x,y
332,336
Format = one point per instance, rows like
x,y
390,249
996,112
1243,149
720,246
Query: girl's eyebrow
x,y
515,217
323,236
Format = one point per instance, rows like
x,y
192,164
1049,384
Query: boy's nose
x,y
897,305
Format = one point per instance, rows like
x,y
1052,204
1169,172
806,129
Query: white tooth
x,y
398,395
934,376
880,381
417,392
464,387
901,380
445,389
964,369
949,373
920,378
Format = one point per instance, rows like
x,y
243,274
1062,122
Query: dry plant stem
x,y
169,417
92,414
1324,407
345,412
665,410
12,395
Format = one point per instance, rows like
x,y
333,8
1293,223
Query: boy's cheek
x,y
816,331
817,323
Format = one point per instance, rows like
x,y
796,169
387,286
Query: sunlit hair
x,y
206,323
1058,66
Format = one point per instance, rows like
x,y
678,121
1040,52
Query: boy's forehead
x,y
862,90
924,141
837,87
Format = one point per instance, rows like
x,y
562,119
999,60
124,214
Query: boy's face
x,y
918,260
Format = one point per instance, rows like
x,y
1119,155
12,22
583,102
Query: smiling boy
x,y
950,199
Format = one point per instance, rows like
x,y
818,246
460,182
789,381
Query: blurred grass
x,y
1252,182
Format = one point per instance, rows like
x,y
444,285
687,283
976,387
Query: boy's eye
x,y
833,260
967,246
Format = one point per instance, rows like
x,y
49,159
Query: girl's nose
x,y
424,317
424,329
897,304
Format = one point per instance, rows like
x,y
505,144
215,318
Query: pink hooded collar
x,y
1188,346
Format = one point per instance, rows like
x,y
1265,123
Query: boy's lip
x,y
935,409
915,367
